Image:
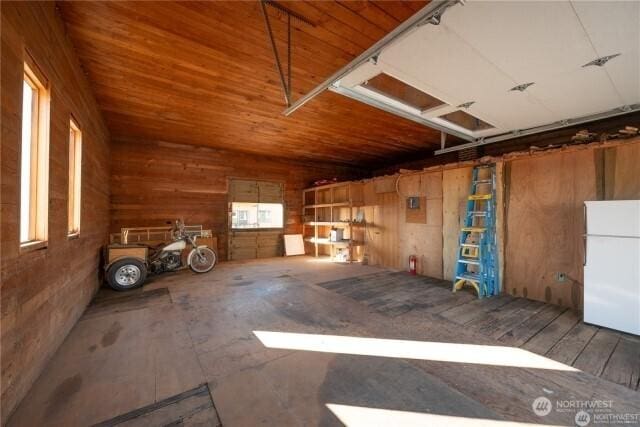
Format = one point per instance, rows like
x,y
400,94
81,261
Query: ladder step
x,y
482,181
468,276
480,197
469,261
469,245
477,213
474,229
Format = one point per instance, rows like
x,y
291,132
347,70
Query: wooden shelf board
x,y
326,223
328,242
328,205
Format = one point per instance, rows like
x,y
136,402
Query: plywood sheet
x,y
381,235
116,252
424,240
455,190
500,219
386,184
293,244
622,172
388,224
545,225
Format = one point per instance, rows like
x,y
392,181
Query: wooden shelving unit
x,y
333,206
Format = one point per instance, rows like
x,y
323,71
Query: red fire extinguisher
x,y
412,265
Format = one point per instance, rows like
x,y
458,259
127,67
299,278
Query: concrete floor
x,y
233,332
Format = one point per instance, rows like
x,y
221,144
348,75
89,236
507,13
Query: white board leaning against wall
x,y
293,244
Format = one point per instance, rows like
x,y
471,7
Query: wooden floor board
x,y
380,285
624,365
596,354
478,307
571,345
192,407
498,329
549,330
486,322
449,301
542,342
527,329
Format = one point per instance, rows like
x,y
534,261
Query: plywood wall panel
x,y
545,225
422,240
622,172
390,237
539,217
500,219
455,190
389,228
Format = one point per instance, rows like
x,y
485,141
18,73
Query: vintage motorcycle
x,y
130,272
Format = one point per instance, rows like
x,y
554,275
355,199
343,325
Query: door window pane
x,y
256,215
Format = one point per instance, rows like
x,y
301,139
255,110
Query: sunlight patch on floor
x,y
404,349
360,416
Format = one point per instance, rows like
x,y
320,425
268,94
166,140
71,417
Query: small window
x,y
75,176
466,121
400,91
256,215
34,158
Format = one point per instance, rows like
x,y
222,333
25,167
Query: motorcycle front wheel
x,y
204,262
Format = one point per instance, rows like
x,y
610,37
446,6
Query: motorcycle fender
x,y
192,250
109,264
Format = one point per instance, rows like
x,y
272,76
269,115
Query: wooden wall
x,y
155,182
45,291
545,216
540,220
545,223
391,236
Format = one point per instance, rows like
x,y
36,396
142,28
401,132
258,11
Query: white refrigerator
x,y
612,265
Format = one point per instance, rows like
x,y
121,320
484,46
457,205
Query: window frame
x,y
74,183
37,235
257,228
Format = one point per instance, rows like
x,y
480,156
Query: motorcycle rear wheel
x,y
204,264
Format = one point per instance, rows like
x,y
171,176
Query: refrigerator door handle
x,y
584,236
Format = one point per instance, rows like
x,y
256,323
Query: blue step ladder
x,y
477,263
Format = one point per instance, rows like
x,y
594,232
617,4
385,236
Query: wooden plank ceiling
x,y
203,73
